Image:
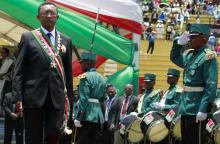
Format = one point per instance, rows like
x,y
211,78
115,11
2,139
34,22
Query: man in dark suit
x,y
13,121
111,109
43,70
128,104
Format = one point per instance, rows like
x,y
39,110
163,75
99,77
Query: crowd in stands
x,y
165,18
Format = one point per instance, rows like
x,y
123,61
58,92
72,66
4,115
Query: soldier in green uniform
x,y
168,104
146,101
199,79
89,114
171,98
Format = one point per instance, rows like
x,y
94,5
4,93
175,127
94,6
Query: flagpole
x,y
93,36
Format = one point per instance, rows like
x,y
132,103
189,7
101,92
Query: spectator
x,y
159,29
162,17
151,40
154,16
13,121
211,41
217,49
169,30
5,71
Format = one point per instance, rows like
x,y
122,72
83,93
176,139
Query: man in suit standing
x,y
89,117
111,109
43,70
199,79
127,104
13,121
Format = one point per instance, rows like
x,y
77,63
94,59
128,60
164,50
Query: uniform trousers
x,y
89,133
43,125
192,131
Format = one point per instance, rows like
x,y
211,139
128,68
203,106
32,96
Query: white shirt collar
x,y
46,31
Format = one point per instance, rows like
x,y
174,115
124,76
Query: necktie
x,y
107,109
49,35
124,106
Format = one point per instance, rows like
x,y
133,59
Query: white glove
x,y
184,38
201,116
77,123
156,105
134,113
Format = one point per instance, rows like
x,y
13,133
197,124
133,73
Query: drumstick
x,y
199,132
75,135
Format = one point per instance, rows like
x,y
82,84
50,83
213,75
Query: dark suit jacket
x,y
8,105
113,112
34,79
132,105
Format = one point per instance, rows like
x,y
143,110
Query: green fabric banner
x,y
79,27
127,75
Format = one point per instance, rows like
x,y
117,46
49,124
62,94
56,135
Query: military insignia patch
x,y
210,54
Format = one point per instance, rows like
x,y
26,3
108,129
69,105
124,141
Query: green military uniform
x,y
200,84
200,72
89,112
172,95
91,94
146,101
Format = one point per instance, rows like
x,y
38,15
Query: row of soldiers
x,y
199,91
116,108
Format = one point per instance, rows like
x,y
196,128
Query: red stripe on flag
x,y
120,22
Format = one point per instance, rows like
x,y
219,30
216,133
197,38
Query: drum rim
x,y
151,126
142,135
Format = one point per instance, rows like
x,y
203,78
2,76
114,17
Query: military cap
x,y
88,56
198,29
149,77
173,72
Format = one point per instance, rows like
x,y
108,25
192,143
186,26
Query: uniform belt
x,y
193,89
93,100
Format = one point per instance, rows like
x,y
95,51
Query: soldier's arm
x,y
84,91
176,100
176,54
210,76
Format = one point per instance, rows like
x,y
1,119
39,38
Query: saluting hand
x,y
184,38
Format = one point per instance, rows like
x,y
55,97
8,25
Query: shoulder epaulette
x,y
82,76
210,54
155,92
179,89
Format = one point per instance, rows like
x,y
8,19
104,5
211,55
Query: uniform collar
x,y
149,90
92,69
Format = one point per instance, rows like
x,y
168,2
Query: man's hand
x,y
14,116
18,106
184,38
112,127
77,123
201,116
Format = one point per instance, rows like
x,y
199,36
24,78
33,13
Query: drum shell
x,y
125,123
157,122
